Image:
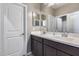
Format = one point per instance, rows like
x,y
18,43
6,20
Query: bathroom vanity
x,y
49,45
62,42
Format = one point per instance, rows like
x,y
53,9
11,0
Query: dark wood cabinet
x,y
36,46
45,47
71,50
50,43
39,49
60,53
49,51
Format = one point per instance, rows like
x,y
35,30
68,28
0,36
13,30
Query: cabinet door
x,y
49,51
71,50
39,49
34,47
59,53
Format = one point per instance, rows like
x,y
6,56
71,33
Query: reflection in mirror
x,y
73,23
43,20
51,23
39,21
58,24
35,19
68,23
61,24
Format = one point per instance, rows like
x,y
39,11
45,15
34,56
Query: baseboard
x,y
29,53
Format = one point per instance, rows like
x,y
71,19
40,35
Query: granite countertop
x,y
70,40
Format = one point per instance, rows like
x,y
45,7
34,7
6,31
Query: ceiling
x,y
55,5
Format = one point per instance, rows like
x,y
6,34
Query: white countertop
x,y
73,41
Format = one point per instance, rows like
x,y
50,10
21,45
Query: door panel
x,y
14,44
14,20
13,29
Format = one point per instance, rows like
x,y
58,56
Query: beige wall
x,y
69,8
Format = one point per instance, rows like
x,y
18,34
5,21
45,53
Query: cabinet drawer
x,y
68,49
36,38
50,43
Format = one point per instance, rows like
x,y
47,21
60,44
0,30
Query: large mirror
x,y
73,22
68,23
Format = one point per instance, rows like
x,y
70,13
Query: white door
x,y
13,29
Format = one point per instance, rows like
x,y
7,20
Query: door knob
x,y
22,34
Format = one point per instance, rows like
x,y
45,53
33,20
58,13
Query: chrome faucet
x,y
53,33
64,35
